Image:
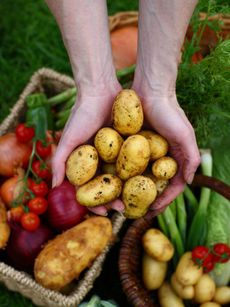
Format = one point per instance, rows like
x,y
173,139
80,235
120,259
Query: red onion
x,y
64,211
24,246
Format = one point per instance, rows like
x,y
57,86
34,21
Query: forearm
x,y
84,28
162,27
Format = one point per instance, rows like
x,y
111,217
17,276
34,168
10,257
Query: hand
x,y
89,114
164,115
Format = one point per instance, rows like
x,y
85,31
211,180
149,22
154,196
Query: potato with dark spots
x,y
82,165
158,144
127,113
138,194
99,191
65,257
164,168
133,157
108,143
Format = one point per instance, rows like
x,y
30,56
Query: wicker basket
x,y
46,80
131,250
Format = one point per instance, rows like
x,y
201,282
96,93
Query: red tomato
x,y
40,189
38,205
221,252
43,150
208,263
16,213
24,134
199,253
30,221
40,169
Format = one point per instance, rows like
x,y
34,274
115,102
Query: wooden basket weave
x,y
47,80
131,250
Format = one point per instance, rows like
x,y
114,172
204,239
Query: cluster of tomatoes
x,y
38,187
208,257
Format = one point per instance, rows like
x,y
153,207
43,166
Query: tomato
x,y
43,150
40,189
38,205
199,253
24,134
208,263
30,221
16,213
221,252
40,169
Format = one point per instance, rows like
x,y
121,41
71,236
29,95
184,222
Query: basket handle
x,y
199,180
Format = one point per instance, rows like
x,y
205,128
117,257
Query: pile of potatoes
x,y
188,282
117,164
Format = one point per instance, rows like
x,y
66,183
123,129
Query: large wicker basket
x,y
131,250
46,80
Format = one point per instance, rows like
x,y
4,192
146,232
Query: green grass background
x,y
29,40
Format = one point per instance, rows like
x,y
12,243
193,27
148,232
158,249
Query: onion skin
x,y
24,246
13,154
63,210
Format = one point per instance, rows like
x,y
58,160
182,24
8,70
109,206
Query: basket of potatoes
x,y
124,162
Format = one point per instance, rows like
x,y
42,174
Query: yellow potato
x,y
127,113
210,304
82,164
187,272
157,245
133,157
153,272
138,194
4,227
161,184
66,256
164,168
158,144
185,292
204,289
222,295
109,168
108,143
168,298
99,191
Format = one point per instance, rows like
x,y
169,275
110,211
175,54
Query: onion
x,y
63,210
24,246
13,154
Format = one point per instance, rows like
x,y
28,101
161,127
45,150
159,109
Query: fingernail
x,y
190,178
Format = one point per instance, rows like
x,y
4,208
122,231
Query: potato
x,y
161,184
4,227
185,292
222,295
187,272
210,304
153,272
164,168
109,168
168,298
133,157
108,143
138,194
82,164
127,113
204,289
157,245
99,191
66,256
158,144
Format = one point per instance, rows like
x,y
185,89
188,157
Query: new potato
x,y
65,257
138,194
210,304
222,295
204,289
108,143
164,168
168,298
99,191
157,245
158,144
133,157
185,292
82,164
4,226
153,272
127,113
